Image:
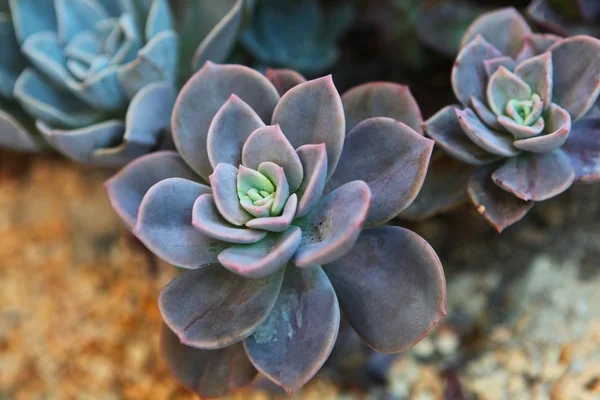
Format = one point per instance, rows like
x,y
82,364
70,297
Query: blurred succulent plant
x,y
277,239
523,94
96,76
296,34
566,17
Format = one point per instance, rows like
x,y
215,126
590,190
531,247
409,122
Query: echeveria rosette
x,y
96,76
522,95
296,34
272,206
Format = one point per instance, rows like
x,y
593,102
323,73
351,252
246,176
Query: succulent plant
x,y
296,34
522,95
566,17
278,224
96,76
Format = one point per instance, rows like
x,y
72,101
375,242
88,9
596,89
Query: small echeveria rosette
x,y
566,17
522,96
274,206
94,79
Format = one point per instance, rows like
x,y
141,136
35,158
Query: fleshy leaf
x,y
583,149
55,107
444,188
16,135
75,16
284,79
219,42
206,218
280,223
331,228
391,286
505,29
276,175
262,258
224,190
155,62
159,19
32,16
45,52
494,142
537,177
391,158
492,65
270,144
576,62
381,99
469,77
500,208
299,334
164,224
485,114
503,87
312,113
12,62
127,188
209,373
444,128
202,97
229,130
521,131
558,126
536,44
211,308
537,73
314,164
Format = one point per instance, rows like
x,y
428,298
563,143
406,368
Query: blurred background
x,y
78,294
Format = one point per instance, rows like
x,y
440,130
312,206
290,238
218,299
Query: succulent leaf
x,y
583,149
537,72
212,308
314,163
224,184
387,267
284,79
503,87
299,334
558,126
494,142
280,223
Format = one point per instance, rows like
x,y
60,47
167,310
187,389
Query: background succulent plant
x,y
297,34
522,95
566,17
277,239
76,66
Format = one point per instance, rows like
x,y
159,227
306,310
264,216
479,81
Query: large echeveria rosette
x,y
276,240
522,95
96,76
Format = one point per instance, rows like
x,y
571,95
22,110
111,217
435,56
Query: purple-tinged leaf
x,y
505,29
546,17
391,286
537,177
381,99
469,77
212,308
494,142
263,258
202,97
312,113
276,175
280,223
444,188
576,63
485,114
270,144
298,336
164,224
583,149
391,158
229,130
558,126
127,188
314,164
224,190
503,87
331,228
521,131
284,79
537,73
536,44
500,208
206,218
492,65
209,373
444,128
